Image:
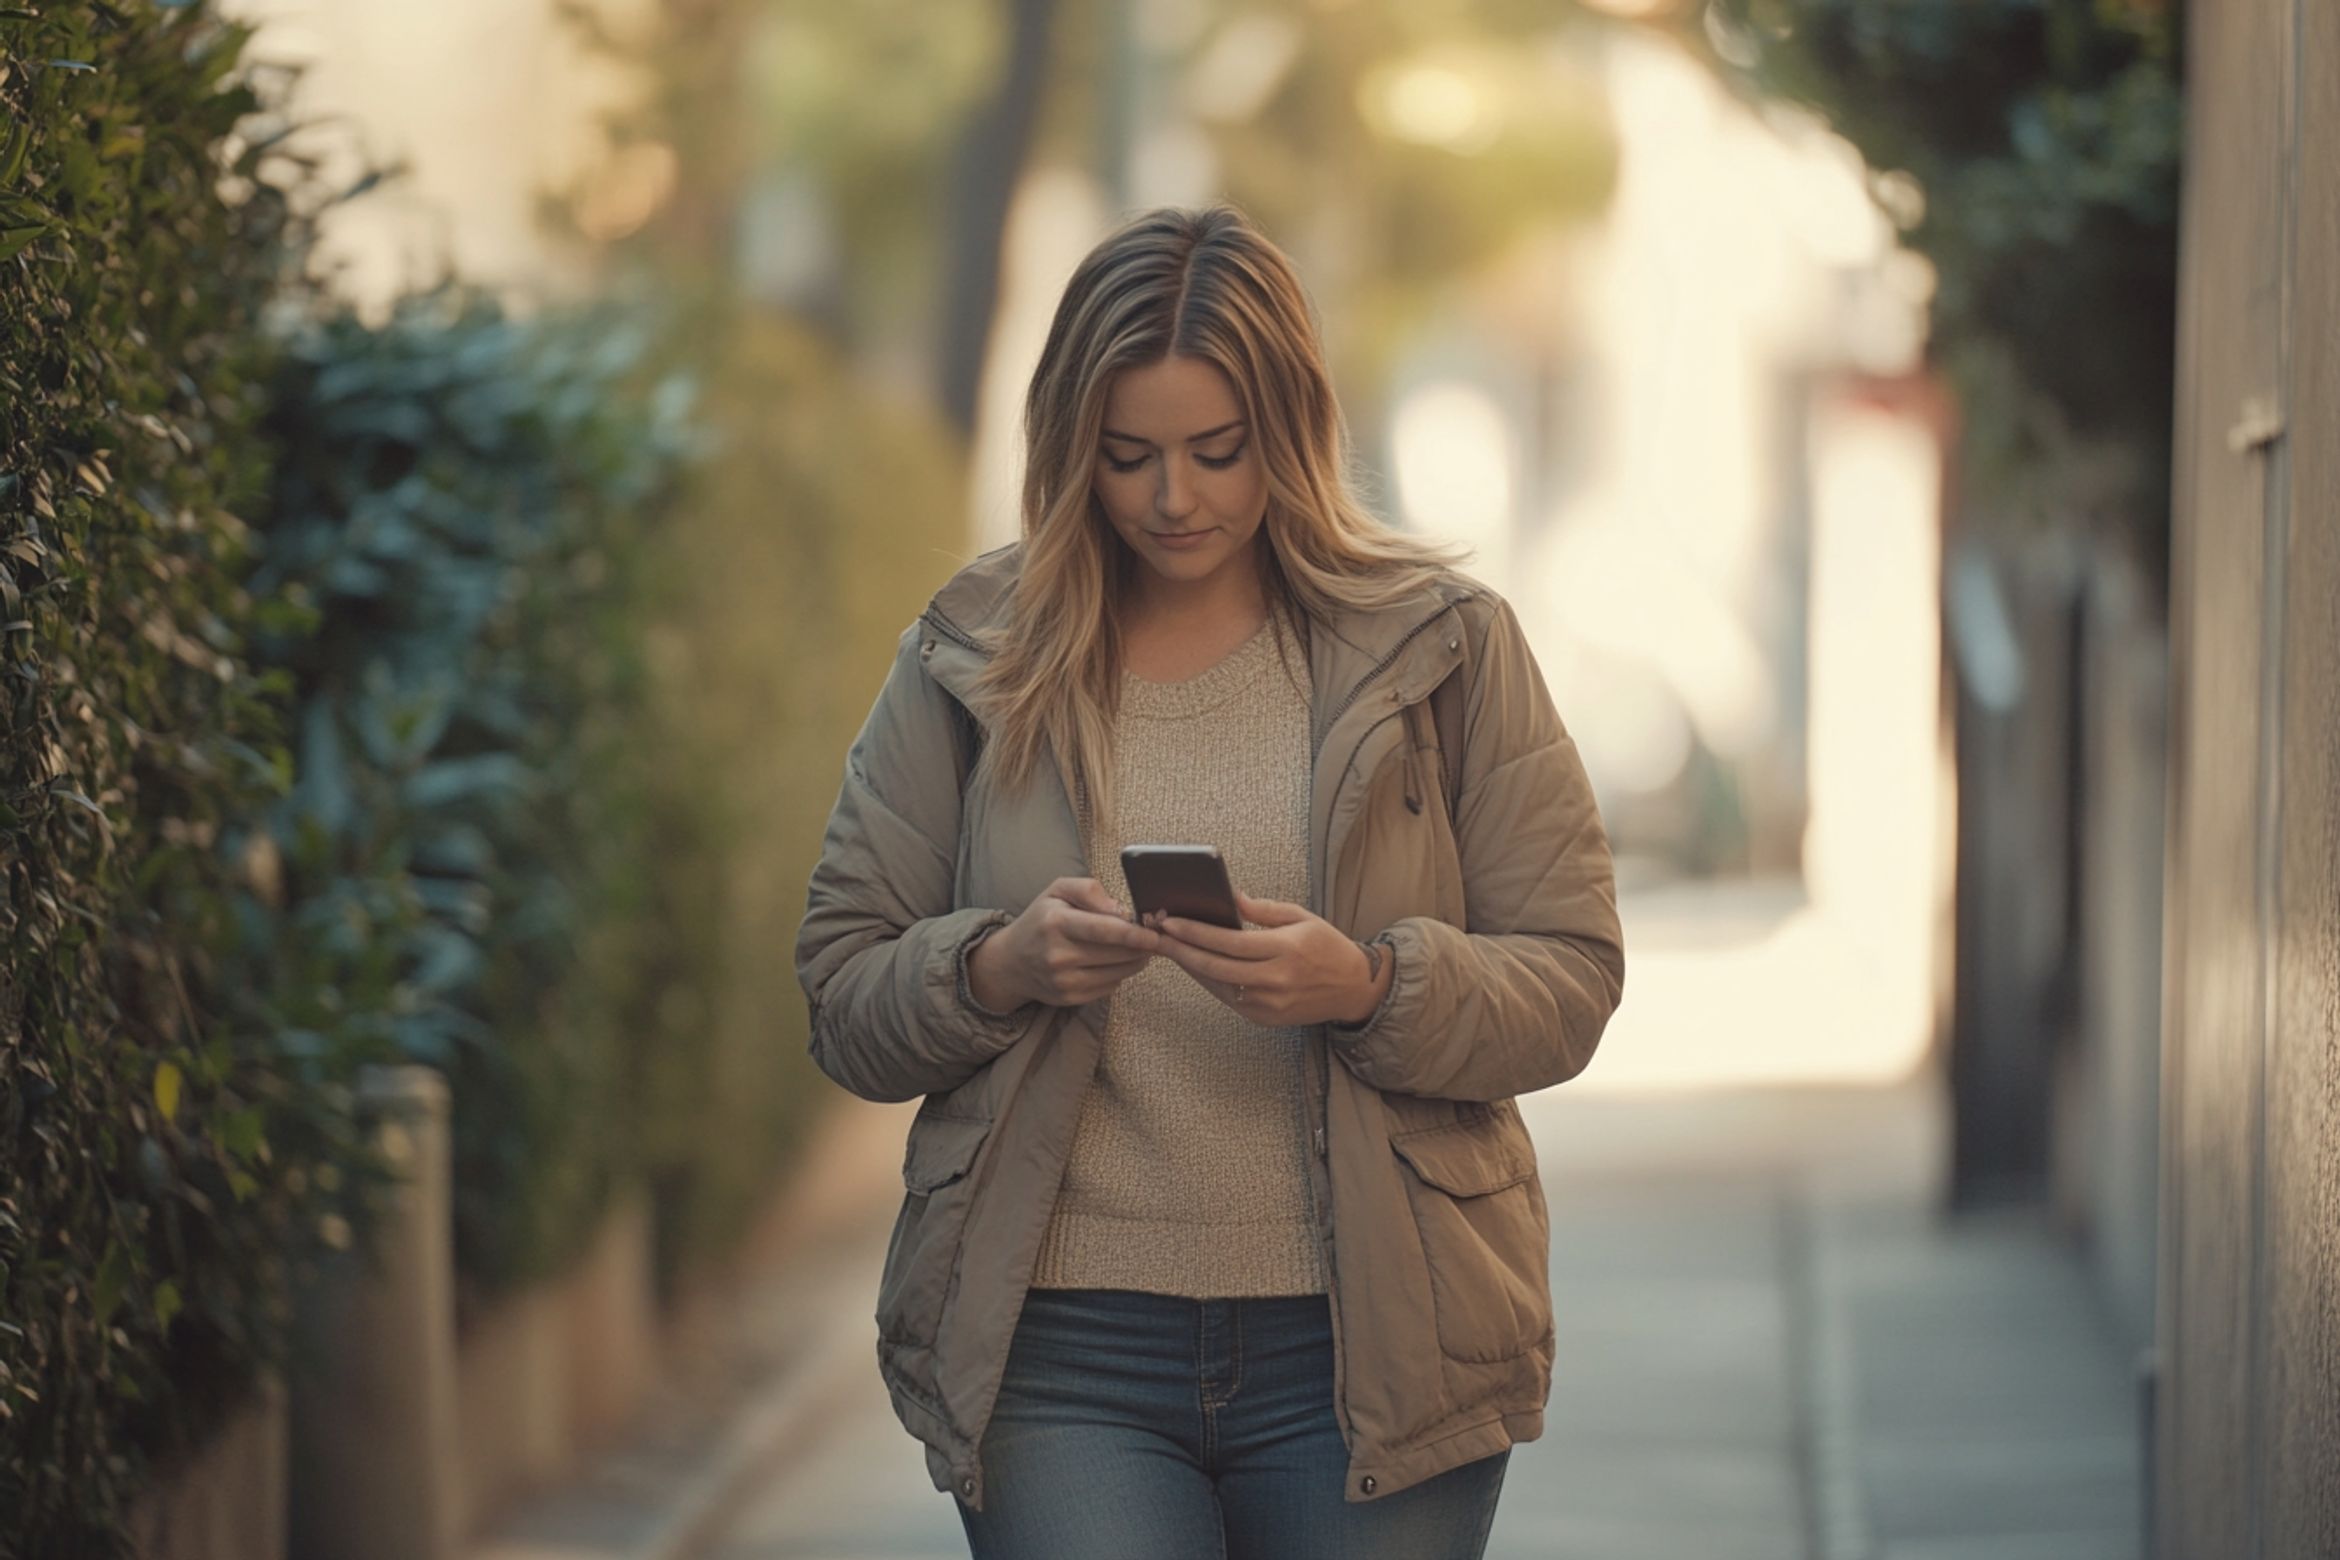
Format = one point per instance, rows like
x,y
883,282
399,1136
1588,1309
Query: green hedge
x,y
161,1178
461,511
372,694
313,751
785,572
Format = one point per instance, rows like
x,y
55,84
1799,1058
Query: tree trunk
x,y
982,179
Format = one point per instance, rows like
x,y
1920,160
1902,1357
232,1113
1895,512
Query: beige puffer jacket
x,y
1509,963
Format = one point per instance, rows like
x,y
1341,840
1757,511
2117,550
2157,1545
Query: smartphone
x,y
1184,880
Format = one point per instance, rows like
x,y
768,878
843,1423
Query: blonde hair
x,y
1199,283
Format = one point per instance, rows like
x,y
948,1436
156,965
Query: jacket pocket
x,y
1486,1235
922,1254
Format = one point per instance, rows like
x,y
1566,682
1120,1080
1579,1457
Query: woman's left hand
x,y
1296,968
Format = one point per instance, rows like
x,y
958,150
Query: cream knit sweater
x,y
1188,1173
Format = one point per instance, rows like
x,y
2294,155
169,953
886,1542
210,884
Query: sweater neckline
x,y
1207,689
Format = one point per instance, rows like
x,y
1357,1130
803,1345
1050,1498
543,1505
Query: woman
x,y
1211,1239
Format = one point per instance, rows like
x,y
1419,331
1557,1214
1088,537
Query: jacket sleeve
x,y
1518,1001
882,951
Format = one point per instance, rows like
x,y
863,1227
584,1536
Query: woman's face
x,y
1176,471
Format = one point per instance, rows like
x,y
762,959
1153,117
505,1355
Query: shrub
x,y
460,512
791,563
161,1178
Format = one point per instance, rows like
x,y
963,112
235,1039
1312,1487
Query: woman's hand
x,y
1298,968
1072,944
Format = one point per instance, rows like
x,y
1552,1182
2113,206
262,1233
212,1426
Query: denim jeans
x,y
1132,1426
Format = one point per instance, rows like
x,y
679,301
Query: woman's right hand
x,y
1072,944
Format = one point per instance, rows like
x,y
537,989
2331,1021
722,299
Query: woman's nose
x,y
1173,499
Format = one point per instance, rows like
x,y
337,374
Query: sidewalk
x,y
1770,1349
1771,1345
762,1387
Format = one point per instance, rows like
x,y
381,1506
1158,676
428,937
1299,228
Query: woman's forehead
x,y
1173,401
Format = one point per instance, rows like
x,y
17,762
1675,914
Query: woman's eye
x,y
1215,462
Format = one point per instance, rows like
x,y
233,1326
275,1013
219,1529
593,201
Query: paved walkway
x,y
1771,1348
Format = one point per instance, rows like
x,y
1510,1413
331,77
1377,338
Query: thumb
x,y
1088,894
1269,912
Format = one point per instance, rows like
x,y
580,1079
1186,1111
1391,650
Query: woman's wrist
x,y
1381,970
986,976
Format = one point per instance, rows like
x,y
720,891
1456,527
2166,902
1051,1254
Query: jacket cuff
x,y
984,927
1396,974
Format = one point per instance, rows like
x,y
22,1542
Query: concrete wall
x,y
2248,1406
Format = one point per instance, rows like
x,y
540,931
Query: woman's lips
x,y
1181,538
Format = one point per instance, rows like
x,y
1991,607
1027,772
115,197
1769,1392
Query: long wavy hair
x,y
1200,283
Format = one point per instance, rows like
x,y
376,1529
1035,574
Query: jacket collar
x,y
1401,648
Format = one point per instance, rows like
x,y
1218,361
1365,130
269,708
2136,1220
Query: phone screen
x,y
1184,880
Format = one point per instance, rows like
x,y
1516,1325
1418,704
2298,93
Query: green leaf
x,y
112,1275
166,1304
12,152
239,1132
166,1090
435,785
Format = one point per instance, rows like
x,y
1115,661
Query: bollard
x,y
374,1466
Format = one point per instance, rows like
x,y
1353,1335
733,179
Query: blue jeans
x,y
1131,1426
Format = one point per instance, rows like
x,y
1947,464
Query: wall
x,y
2248,1453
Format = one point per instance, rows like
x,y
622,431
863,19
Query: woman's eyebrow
x,y
1131,438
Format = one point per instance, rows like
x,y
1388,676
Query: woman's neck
x,y
1233,597
1166,640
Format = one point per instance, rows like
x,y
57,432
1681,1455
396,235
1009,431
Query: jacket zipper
x,y
951,630
1320,1051
1350,698
1390,655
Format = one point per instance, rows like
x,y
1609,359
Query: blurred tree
x,y
797,138
2029,149
855,165
1395,149
989,160
884,139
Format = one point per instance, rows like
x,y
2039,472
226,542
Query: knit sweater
x,y
1188,1173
